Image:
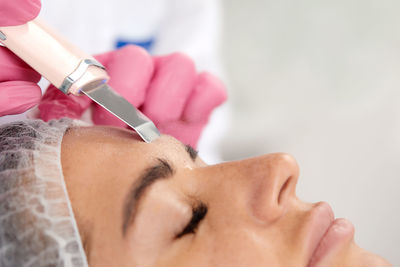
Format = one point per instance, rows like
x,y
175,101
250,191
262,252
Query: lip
x,y
337,234
326,233
321,219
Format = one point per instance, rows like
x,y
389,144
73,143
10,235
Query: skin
x,y
254,217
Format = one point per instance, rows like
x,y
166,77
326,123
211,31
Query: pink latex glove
x,y
18,82
167,89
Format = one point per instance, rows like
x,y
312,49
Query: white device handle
x,y
60,62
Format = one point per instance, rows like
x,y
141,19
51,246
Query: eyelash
x,y
198,214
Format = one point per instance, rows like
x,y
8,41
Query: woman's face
x,y
158,204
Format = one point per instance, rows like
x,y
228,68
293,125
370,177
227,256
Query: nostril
x,y
271,198
288,176
285,191
273,184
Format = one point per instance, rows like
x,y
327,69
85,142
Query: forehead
x,y
101,163
122,144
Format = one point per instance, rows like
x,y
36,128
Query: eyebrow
x,y
161,170
192,152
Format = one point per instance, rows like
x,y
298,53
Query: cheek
x,y
232,247
160,217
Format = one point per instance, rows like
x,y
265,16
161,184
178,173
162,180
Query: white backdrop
x,y
321,81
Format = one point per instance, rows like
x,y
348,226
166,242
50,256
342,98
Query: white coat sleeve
x,y
192,27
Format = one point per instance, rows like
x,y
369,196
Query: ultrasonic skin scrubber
x,y
72,71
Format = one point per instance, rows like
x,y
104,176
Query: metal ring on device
x,y
2,36
78,73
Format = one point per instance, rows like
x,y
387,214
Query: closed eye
x,y
198,214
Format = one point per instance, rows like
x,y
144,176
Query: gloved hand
x,y
18,82
167,89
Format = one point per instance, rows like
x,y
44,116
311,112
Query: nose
x,y
263,186
273,183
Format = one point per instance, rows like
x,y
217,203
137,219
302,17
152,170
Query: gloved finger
x,y
208,93
17,12
55,105
170,88
18,96
14,69
130,69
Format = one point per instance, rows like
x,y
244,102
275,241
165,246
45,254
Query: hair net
x,y
37,225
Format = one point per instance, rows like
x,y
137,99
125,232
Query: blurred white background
x,y
320,80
